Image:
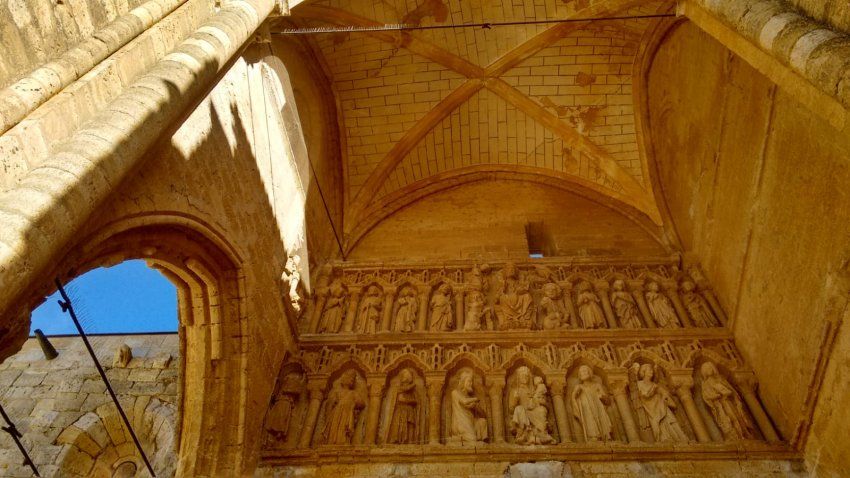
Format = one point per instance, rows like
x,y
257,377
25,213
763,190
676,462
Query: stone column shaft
x,y
316,316
673,295
644,309
602,292
373,412
351,313
747,386
559,386
495,388
316,391
387,317
424,295
683,391
435,389
459,296
621,398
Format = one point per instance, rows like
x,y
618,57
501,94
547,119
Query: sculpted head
x,y
445,288
619,285
646,371
464,383
374,290
708,370
583,286
585,373
653,286
523,375
688,285
348,379
406,376
510,270
551,290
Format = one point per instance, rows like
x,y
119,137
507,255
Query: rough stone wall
x,y
50,400
37,31
756,186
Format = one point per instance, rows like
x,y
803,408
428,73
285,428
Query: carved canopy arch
x,y
523,357
406,360
584,357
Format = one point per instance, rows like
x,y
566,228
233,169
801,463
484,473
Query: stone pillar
x,y
673,295
435,396
747,385
619,385
567,287
495,388
424,295
684,385
459,295
373,409
351,314
602,292
318,308
316,390
558,385
389,301
640,299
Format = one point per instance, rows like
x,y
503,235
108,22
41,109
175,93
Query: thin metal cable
x,y
484,25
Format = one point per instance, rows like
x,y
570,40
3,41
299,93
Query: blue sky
x,y
128,297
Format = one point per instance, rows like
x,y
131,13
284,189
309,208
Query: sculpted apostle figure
x,y
514,307
442,318
696,306
527,403
660,307
469,421
625,306
334,311
589,402
369,316
658,404
552,307
280,415
725,405
404,426
477,312
343,407
408,309
589,311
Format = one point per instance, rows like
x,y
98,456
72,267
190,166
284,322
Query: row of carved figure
x,y
521,300
521,407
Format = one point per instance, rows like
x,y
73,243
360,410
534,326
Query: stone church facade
x,y
612,244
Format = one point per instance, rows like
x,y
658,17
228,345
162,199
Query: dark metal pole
x,y
66,305
16,435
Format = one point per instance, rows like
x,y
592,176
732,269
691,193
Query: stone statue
x,y
515,306
123,356
280,415
624,306
589,311
404,421
442,316
657,403
408,310
589,403
468,424
696,306
369,316
552,308
478,280
342,409
334,312
659,306
725,405
478,314
291,278
527,400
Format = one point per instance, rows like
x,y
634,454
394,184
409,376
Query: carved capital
x,y
602,286
495,384
618,383
424,289
746,381
558,385
435,385
316,388
390,290
683,384
375,386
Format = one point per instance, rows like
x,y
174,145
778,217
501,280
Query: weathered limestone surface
x,y
68,422
756,187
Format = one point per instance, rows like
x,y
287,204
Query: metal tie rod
x,y
16,435
66,305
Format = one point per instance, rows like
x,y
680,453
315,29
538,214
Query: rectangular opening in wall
x,y
538,239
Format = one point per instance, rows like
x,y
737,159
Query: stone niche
x,y
528,362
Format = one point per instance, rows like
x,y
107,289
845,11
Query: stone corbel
x,y
748,386
619,384
684,384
